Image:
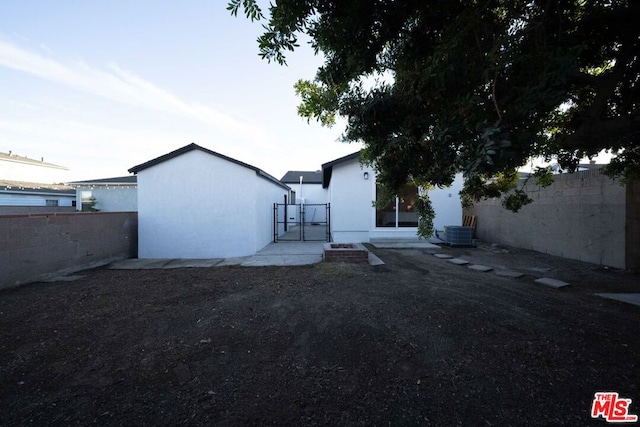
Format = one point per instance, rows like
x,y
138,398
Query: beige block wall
x,y
581,216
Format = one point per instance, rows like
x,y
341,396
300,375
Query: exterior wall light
x,y
366,175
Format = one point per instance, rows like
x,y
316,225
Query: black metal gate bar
x,y
302,229
275,222
328,222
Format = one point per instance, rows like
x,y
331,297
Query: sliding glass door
x,y
399,212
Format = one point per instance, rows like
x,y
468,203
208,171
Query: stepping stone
x,y
509,273
63,279
480,268
628,298
458,261
551,282
443,256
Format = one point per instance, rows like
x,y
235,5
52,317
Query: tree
x,y
437,87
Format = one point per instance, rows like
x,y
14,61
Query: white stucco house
x,y
30,185
14,167
20,197
117,194
307,186
352,191
196,203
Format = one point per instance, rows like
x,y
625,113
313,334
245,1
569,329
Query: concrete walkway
x,y
274,254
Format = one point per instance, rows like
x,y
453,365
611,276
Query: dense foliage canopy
x,y
444,86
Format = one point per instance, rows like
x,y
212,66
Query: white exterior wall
x,y
311,193
351,195
198,205
33,200
111,199
29,172
267,193
447,204
191,206
353,216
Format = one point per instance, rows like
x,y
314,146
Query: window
x,y
86,196
50,202
401,211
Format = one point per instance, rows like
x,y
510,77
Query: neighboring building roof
x,y
591,166
327,168
8,157
120,180
308,177
34,188
191,147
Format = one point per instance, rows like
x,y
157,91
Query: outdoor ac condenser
x,y
458,236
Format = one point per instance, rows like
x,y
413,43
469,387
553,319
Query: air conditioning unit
x,y
458,236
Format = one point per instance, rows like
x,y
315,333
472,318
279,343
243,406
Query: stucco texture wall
x,y
351,196
311,193
266,194
632,258
200,206
112,199
446,204
33,246
581,216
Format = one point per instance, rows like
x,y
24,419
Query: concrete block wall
x,y
35,246
633,226
581,216
13,210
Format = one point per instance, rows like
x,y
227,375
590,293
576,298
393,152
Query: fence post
x,y
275,223
328,222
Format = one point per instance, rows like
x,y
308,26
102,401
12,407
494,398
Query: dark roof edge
x,y
38,191
327,168
194,146
342,160
118,180
309,177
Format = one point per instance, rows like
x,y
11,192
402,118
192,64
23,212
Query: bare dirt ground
x,y
418,341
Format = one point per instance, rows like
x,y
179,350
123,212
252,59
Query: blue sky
x,y
101,86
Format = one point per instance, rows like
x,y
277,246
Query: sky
x,y
102,86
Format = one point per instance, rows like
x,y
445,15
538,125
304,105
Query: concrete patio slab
x,y
291,248
480,268
274,254
193,263
458,261
139,264
633,298
374,260
553,283
405,245
281,260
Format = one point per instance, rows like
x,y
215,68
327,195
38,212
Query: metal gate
x,y
301,222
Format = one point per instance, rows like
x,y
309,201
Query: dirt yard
x,y
418,341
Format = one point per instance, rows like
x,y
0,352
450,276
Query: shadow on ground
x,y
418,341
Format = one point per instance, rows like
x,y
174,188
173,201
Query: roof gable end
x,y
327,168
193,146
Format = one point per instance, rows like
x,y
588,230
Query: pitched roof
x,y
308,177
21,187
327,168
14,158
191,147
119,180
